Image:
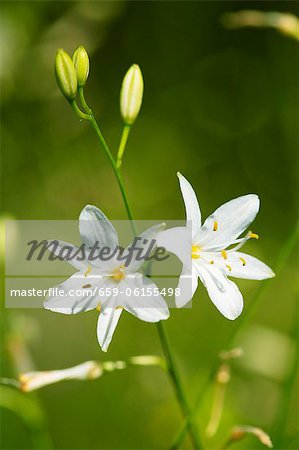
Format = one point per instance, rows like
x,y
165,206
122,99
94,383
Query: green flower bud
x,y
81,63
131,95
65,74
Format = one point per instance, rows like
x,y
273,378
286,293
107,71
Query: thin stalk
x,y
283,256
78,111
180,393
91,118
83,101
172,369
122,145
286,396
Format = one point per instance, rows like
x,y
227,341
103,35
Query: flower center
x,y
118,274
195,252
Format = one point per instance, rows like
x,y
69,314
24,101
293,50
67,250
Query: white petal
x,y
145,241
36,380
79,293
231,220
187,286
178,241
224,293
107,323
191,205
68,252
96,228
150,308
241,265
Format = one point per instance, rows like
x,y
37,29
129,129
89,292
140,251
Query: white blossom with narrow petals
x,y
213,259
106,276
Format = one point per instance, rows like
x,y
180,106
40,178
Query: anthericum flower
x,y
88,370
110,286
81,63
212,261
131,94
65,74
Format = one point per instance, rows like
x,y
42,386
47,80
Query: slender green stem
x,y
83,101
286,395
117,172
172,369
180,393
122,145
283,256
78,111
91,118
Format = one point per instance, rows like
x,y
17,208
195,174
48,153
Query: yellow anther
x,y
119,307
118,274
253,235
86,286
243,261
224,254
88,271
211,262
99,308
215,226
229,267
195,252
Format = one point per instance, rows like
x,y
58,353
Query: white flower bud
x,y
239,432
131,95
65,75
35,380
81,63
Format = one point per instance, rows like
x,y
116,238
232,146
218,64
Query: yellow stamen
x,y
119,307
224,254
118,274
229,267
99,307
243,261
215,226
211,262
195,251
86,286
253,235
88,271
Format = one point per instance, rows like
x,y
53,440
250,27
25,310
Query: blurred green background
x,y
220,106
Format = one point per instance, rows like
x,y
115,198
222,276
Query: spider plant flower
x,y
131,95
65,75
213,258
108,286
81,64
88,370
239,432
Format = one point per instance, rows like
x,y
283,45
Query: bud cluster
x,y
71,73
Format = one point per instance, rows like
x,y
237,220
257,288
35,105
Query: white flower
x,y
31,381
212,261
109,286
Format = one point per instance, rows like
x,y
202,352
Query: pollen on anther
x,y
229,267
99,307
224,254
211,262
243,261
253,235
195,252
86,286
215,226
88,271
118,274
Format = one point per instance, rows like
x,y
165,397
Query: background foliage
x,y
220,106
